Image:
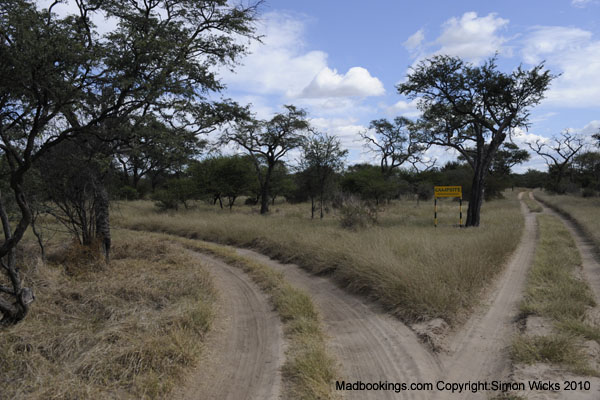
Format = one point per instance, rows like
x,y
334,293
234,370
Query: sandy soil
x,y
370,344
245,349
479,350
537,326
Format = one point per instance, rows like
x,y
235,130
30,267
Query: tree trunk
x,y
101,210
39,238
312,207
321,204
15,311
476,198
264,191
136,178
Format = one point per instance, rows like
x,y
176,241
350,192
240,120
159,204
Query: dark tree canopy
x,y
466,106
267,142
60,78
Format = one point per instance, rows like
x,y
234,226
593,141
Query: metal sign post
x,y
447,191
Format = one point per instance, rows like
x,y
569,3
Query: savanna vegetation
x,y
416,271
556,292
131,123
99,330
585,211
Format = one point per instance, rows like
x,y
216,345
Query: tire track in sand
x,y
589,254
480,349
371,345
244,351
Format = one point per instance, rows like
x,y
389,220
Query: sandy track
x,y
479,350
245,349
371,345
587,249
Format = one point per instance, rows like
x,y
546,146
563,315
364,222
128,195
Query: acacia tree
x,y
149,148
500,169
465,106
60,78
558,154
395,143
322,158
267,142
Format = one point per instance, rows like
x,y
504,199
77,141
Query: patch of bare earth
x,y
245,349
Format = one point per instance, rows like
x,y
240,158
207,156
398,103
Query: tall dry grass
x,y
124,330
415,270
585,211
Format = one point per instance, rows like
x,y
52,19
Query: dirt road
x,y
245,349
370,344
479,350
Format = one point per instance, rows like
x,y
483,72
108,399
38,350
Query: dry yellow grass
x,y
126,330
532,205
309,370
416,271
556,292
584,211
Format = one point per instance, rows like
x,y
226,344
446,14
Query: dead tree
x,y
558,154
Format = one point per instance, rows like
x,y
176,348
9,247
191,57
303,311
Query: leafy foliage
x,y
466,106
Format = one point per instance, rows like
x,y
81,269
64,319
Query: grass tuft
x,y
124,330
585,211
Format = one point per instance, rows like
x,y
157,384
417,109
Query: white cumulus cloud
x,y
356,82
404,108
280,64
472,37
575,54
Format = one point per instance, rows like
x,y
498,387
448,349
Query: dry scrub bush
x,y
126,330
355,213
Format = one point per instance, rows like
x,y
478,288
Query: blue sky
x,y
341,60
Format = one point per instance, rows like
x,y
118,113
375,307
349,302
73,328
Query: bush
x,y
128,193
165,200
356,213
177,191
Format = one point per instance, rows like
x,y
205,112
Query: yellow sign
x,y
447,191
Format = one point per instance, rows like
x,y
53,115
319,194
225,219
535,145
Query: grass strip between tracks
x,y
557,293
308,371
532,205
